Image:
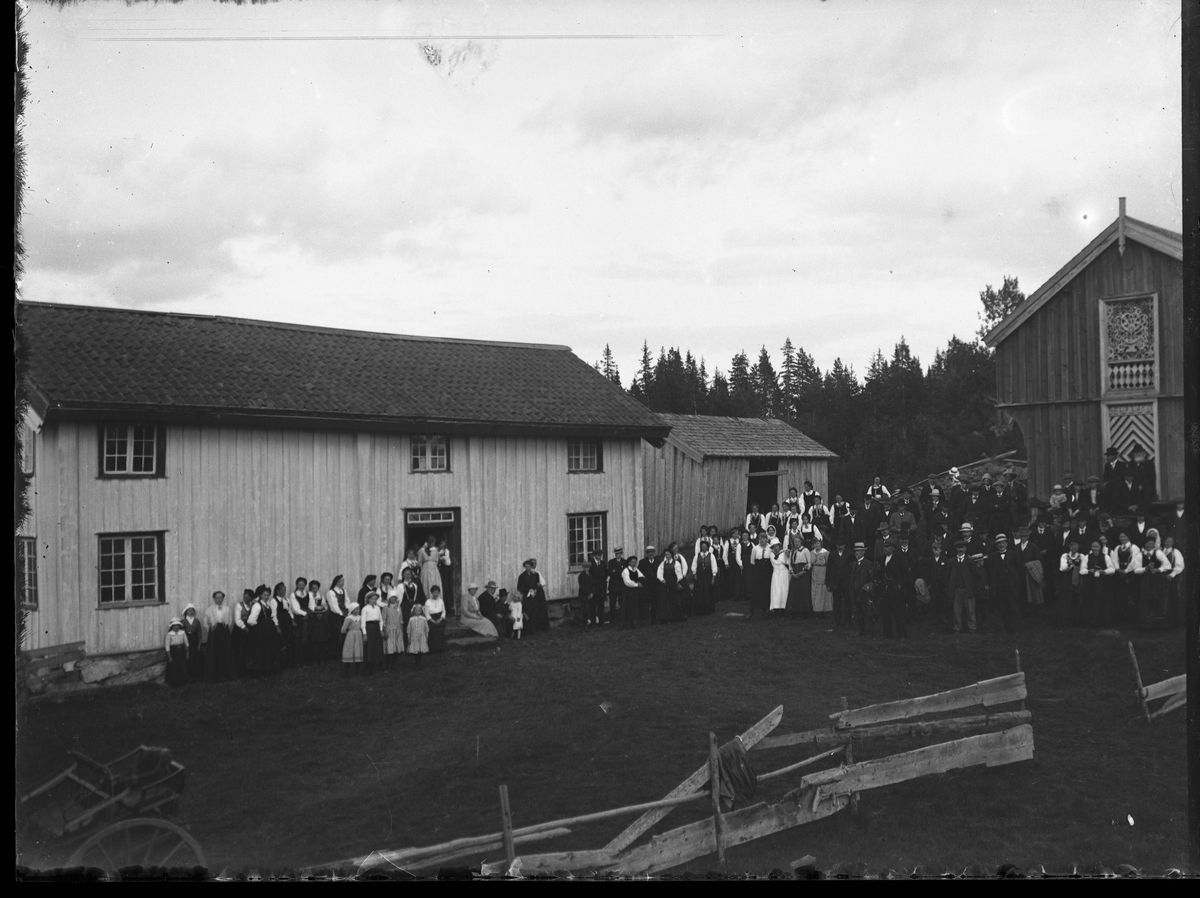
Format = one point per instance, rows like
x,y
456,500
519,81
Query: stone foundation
x,y
64,670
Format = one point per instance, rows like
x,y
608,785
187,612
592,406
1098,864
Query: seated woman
x,y
435,615
472,617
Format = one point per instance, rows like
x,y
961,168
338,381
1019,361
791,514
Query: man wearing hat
x,y
1114,468
906,554
487,606
616,582
1126,496
1090,499
1003,517
872,515
837,579
938,519
935,569
861,574
1017,493
1006,580
902,516
597,589
967,533
1175,526
963,585
1142,468
1030,555
1071,491
975,507
648,567
957,498
891,577
882,534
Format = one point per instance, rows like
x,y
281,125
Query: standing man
x,y
962,586
648,567
935,571
616,582
910,571
861,574
598,586
1006,577
1114,468
1144,474
837,578
891,576
958,494
872,515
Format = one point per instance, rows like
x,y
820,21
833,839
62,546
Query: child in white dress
x,y
516,613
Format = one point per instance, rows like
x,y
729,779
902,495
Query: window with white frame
x,y
430,454
131,568
27,448
131,450
584,457
27,571
585,535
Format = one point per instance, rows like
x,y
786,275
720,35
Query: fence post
x,y
1141,689
714,773
510,852
850,759
1017,652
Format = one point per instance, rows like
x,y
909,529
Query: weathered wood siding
x,y
244,506
1049,368
682,495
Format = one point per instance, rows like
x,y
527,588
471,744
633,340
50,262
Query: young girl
x,y
516,614
177,654
193,630
418,633
352,645
371,623
393,631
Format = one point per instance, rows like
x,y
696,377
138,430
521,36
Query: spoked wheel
x,y
140,842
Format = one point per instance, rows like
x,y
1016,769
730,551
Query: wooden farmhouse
x,y
1094,358
173,455
710,470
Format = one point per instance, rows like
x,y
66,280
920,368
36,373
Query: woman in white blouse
x,y
335,602
435,614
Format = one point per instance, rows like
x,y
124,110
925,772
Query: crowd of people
x,y
271,629
1097,553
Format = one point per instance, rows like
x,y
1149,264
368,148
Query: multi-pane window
x,y
131,449
430,453
585,535
27,571
131,568
583,456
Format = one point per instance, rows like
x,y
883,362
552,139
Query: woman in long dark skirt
x,y
194,632
435,615
532,590
218,641
761,571
372,628
241,632
1095,588
287,626
336,604
177,654
671,577
316,631
264,633
1154,597
1176,591
799,600
410,598
705,569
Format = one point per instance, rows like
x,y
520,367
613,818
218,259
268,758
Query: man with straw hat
x,y
1006,580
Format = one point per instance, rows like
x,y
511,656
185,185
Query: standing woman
x,y
671,574
704,572
428,558
218,641
367,585
335,602
435,614
780,578
409,563
318,624
194,631
1176,596
532,590
371,624
798,599
1153,598
760,576
1125,585
1097,571
281,605
631,599
446,573
264,633
409,591
393,630
177,654
822,596
241,632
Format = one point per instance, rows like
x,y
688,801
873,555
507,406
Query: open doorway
x,y
763,489
440,523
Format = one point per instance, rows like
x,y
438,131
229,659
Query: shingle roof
x,y
708,435
88,359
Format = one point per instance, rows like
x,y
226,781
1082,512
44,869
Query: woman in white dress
x,y
472,618
781,575
429,557
822,598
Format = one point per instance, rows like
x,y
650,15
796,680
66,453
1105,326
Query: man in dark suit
x,y
861,573
1002,518
908,585
975,505
1091,498
891,574
935,571
648,567
957,499
872,514
1114,468
1006,578
939,519
1175,525
1125,496
1071,489
837,579
616,565
963,582
1144,475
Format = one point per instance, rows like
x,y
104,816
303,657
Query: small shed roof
x,y
91,360
1169,243
709,436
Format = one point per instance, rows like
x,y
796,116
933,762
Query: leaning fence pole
x,y
714,771
510,852
849,761
1141,689
1017,652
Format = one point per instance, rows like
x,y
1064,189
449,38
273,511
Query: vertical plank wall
x,y
244,506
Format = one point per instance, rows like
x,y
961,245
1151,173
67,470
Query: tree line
x,y
901,421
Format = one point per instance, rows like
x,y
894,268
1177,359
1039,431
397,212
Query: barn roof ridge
x,y
719,436
1155,237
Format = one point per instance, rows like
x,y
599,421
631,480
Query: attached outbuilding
x,y
173,455
1094,358
711,469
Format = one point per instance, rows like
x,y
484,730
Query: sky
x,y
712,176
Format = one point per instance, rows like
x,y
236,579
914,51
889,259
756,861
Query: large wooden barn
x,y
174,455
710,470
1094,358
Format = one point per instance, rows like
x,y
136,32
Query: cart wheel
x,y
140,842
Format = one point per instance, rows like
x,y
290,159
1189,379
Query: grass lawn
x,y
309,767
